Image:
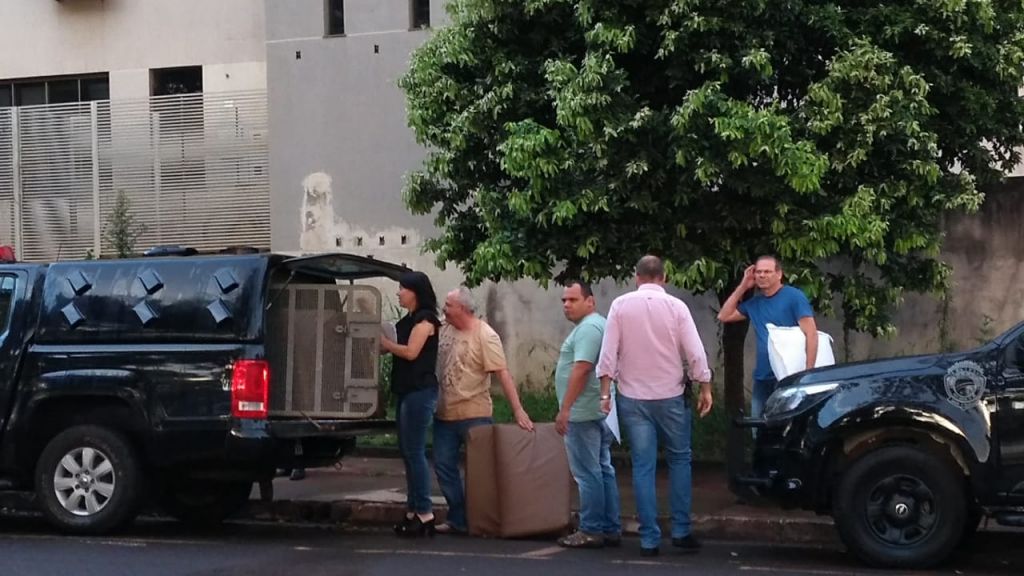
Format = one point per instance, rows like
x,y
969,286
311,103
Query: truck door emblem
x,y
965,384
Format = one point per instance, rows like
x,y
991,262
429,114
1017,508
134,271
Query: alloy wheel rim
x,y
84,481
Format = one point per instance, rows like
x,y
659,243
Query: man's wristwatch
x,y
606,396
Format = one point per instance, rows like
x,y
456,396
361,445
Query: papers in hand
x,y
612,421
387,330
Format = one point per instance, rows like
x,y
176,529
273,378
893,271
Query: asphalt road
x,y
158,548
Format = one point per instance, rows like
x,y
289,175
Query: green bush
x,y
710,434
122,228
541,405
384,387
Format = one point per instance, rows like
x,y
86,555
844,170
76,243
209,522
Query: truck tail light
x,y
250,386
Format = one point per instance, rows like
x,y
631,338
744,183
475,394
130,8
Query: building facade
x,y
140,46
163,103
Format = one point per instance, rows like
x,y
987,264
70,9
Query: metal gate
x,y
322,344
194,167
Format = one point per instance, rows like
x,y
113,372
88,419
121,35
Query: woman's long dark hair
x,y
426,300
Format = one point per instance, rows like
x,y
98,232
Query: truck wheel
x,y
900,507
205,502
88,480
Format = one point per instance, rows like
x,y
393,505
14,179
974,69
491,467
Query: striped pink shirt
x,y
648,338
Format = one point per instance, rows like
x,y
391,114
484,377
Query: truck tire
x,y
88,480
204,502
900,507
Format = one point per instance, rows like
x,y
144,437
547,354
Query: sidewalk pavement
x,y
366,490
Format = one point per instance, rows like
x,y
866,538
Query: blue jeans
x,y
759,394
588,445
647,422
415,412
449,436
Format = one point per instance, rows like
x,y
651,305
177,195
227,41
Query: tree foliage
x,y
569,137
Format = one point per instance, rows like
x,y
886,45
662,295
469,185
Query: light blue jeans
x,y
415,412
588,445
449,436
646,423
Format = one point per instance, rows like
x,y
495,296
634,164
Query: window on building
x,y
335,17
420,12
168,81
94,89
180,125
29,93
62,91
57,90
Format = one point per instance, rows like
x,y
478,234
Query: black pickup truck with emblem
x,y
908,455
180,381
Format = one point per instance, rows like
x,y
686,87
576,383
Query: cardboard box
x,y
517,482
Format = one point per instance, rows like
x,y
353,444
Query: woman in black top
x,y
414,382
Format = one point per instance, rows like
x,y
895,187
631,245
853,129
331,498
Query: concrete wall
x,y
341,147
986,251
128,37
335,107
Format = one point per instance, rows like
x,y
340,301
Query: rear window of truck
x,y
7,284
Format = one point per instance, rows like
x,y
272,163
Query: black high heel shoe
x,y
404,525
416,528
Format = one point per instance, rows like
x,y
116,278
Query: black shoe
x,y
687,543
648,552
404,525
416,528
613,541
298,474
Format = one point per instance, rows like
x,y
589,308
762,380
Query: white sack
x,y
787,350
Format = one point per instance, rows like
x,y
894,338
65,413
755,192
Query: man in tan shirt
x,y
469,352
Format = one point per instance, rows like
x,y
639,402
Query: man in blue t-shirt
x,y
774,303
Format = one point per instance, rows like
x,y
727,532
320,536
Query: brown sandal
x,y
446,528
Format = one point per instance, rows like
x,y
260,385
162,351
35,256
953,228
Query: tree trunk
x,y
733,336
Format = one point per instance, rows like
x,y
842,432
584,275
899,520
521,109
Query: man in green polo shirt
x,y
581,421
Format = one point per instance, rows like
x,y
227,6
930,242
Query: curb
x,y
765,529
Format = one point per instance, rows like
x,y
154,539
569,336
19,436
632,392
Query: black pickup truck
x,y
908,455
181,380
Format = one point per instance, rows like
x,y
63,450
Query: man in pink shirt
x,y
649,338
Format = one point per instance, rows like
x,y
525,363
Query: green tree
x,y
570,137
122,230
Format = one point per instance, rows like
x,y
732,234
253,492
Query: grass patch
x,y
542,406
380,441
710,434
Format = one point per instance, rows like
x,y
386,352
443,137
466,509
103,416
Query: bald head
x,y
650,269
